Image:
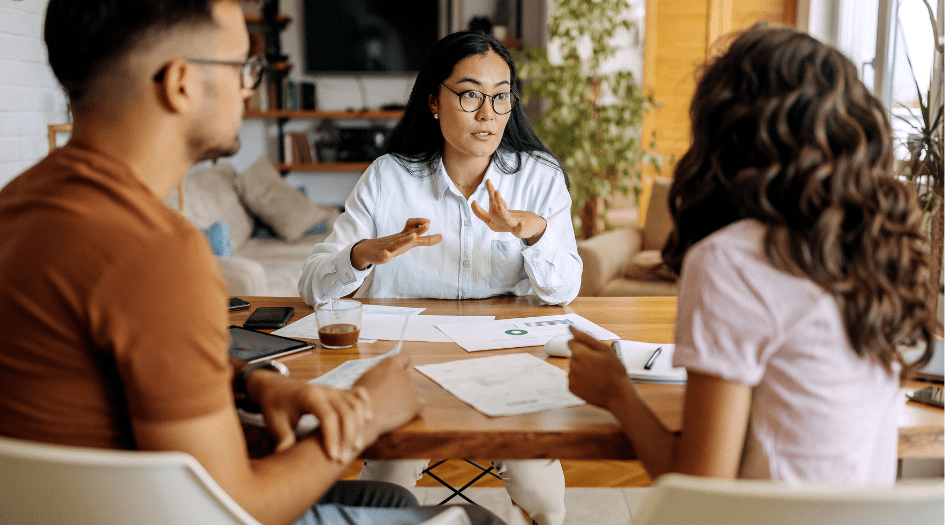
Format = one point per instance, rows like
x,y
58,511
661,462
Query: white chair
x,y
44,483
688,500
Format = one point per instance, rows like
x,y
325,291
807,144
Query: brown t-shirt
x,y
111,306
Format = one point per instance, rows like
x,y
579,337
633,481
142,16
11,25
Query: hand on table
x,y
383,249
344,415
595,372
522,224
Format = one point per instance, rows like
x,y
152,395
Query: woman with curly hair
x,y
802,277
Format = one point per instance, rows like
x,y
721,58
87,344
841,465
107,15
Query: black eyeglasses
x,y
251,69
471,100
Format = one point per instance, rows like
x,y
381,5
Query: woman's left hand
x,y
522,224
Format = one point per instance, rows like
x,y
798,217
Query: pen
x,y
652,359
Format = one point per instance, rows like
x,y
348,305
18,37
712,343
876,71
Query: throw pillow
x,y
275,202
219,236
210,196
648,264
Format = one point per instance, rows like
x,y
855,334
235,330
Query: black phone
x,y
250,345
269,317
930,395
238,304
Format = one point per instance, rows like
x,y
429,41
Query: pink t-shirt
x,y
818,412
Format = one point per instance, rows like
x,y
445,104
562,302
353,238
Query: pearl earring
x,y
435,116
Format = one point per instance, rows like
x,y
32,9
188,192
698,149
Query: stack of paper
x,y
635,355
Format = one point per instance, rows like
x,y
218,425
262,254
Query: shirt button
x,y
465,223
551,290
465,263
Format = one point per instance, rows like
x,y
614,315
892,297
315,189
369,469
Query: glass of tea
x,y
339,323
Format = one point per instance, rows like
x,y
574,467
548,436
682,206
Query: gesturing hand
x,y
522,224
595,371
383,249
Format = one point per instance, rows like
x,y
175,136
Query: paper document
x,y
504,385
345,374
635,355
421,327
520,332
307,327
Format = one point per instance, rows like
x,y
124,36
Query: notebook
x,y
635,355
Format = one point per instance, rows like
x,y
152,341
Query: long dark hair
x,y
784,132
417,139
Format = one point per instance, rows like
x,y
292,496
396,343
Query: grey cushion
x,y
284,208
210,196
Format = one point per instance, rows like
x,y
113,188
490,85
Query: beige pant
x,y
536,485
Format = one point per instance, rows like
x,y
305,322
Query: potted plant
x,y
925,168
591,118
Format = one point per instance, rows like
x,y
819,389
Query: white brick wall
x,y
30,97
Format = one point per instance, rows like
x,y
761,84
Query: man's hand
x,y
383,249
344,415
394,398
595,373
522,224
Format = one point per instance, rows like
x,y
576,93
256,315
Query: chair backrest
x,y
44,483
684,500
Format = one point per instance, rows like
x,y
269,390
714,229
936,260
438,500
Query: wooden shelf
x,y
322,115
257,20
324,166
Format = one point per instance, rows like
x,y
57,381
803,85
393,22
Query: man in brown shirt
x,y
113,326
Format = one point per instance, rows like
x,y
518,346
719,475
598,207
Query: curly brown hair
x,y
784,132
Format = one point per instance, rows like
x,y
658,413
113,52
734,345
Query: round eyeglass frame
x,y
482,100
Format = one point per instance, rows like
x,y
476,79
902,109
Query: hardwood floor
x,y
576,474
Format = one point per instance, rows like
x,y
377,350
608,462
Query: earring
x,y
435,116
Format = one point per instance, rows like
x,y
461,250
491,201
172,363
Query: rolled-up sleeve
x,y
328,273
553,264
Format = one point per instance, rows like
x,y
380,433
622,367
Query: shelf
x,y
257,20
322,115
324,166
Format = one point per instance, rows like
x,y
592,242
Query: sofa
x,y
260,228
626,262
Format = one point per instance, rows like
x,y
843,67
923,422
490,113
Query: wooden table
x,y
448,428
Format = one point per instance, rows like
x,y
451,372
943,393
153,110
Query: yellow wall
x,y
678,35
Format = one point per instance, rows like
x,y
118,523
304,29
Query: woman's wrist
x,y
537,237
357,262
622,391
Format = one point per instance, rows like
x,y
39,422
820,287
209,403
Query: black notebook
x,y
250,345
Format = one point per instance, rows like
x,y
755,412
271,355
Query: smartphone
x,y
930,395
250,345
269,317
238,304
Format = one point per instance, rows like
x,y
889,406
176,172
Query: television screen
x,y
360,36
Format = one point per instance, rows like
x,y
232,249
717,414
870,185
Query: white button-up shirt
x,y
472,261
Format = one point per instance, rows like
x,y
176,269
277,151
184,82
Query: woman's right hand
x,y
383,249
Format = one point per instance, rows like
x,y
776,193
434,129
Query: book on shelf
x,y
297,148
291,93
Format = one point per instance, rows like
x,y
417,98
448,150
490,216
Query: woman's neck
x,y
466,173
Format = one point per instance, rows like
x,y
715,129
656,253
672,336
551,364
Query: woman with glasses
x,y
466,203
